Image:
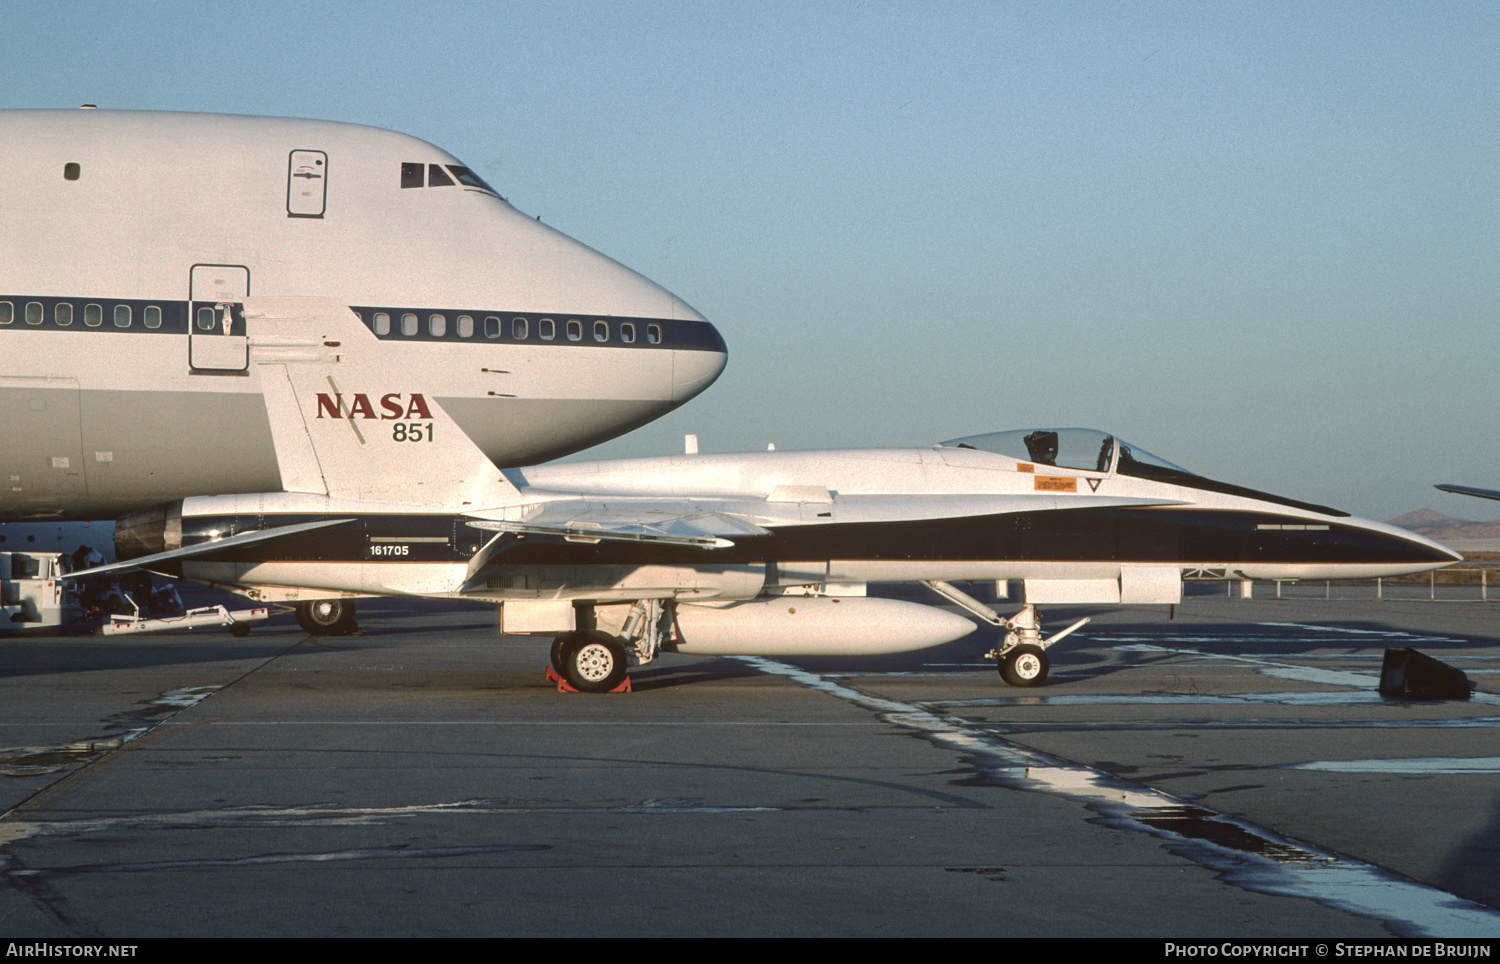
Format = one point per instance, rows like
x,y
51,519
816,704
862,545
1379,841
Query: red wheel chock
x,y
563,686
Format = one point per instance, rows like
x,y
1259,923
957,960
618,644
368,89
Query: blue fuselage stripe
x,y
674,334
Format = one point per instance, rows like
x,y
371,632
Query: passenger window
x,y
437,325
518,329
465,326
383,322
7,312
153,316
408,324
653,334
545,329
436,177
93,315
492,327
411,175
601,331
62,313
575,330
33,312
206,319
122,316
627,333
70,171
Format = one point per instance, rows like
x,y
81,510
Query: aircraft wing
x,y
686,523
1469,490
716,523
203,548
709,523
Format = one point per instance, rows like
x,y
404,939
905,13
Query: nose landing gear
x,y
1024,665
1022,656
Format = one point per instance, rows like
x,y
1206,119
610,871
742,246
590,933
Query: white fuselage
x,y
123,228
834,518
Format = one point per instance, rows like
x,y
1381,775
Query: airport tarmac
x,y
1227,772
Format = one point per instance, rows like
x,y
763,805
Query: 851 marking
x,y
412,432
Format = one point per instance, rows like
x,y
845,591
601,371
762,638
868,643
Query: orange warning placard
x,y
1025,467
1055,483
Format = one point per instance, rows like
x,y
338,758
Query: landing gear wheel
x,y
593,662
240,630
1026,665
326,617
559,645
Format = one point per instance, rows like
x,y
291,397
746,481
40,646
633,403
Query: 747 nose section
x,y
695,369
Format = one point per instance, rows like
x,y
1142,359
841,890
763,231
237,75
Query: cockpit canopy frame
x,y
1090,450
1083,449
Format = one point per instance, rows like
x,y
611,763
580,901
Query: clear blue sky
x,y
1259,240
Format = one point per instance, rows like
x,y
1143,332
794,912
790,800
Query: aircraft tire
x,y
1026,665
326,617
593,662
559,664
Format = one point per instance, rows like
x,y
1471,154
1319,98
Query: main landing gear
x,y
597,660
327,617
590,662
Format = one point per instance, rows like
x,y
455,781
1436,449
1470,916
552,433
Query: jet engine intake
x,y
147,531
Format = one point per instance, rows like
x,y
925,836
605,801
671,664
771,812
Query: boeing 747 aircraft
x,y
128,237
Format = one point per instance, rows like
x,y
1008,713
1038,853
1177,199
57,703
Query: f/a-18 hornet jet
x,y
755,554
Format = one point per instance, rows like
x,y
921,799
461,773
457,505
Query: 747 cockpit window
x,y
468,178
435,176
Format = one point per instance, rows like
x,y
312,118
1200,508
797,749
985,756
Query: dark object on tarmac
x,y
1409,675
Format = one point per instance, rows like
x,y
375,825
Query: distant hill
x,y
1446,529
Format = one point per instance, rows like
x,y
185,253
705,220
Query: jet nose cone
x,y
695,369
1407,551
1440,554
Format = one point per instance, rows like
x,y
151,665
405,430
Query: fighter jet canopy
x,y
1071,448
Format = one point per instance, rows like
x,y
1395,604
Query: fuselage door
x,y
216,321
306,184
